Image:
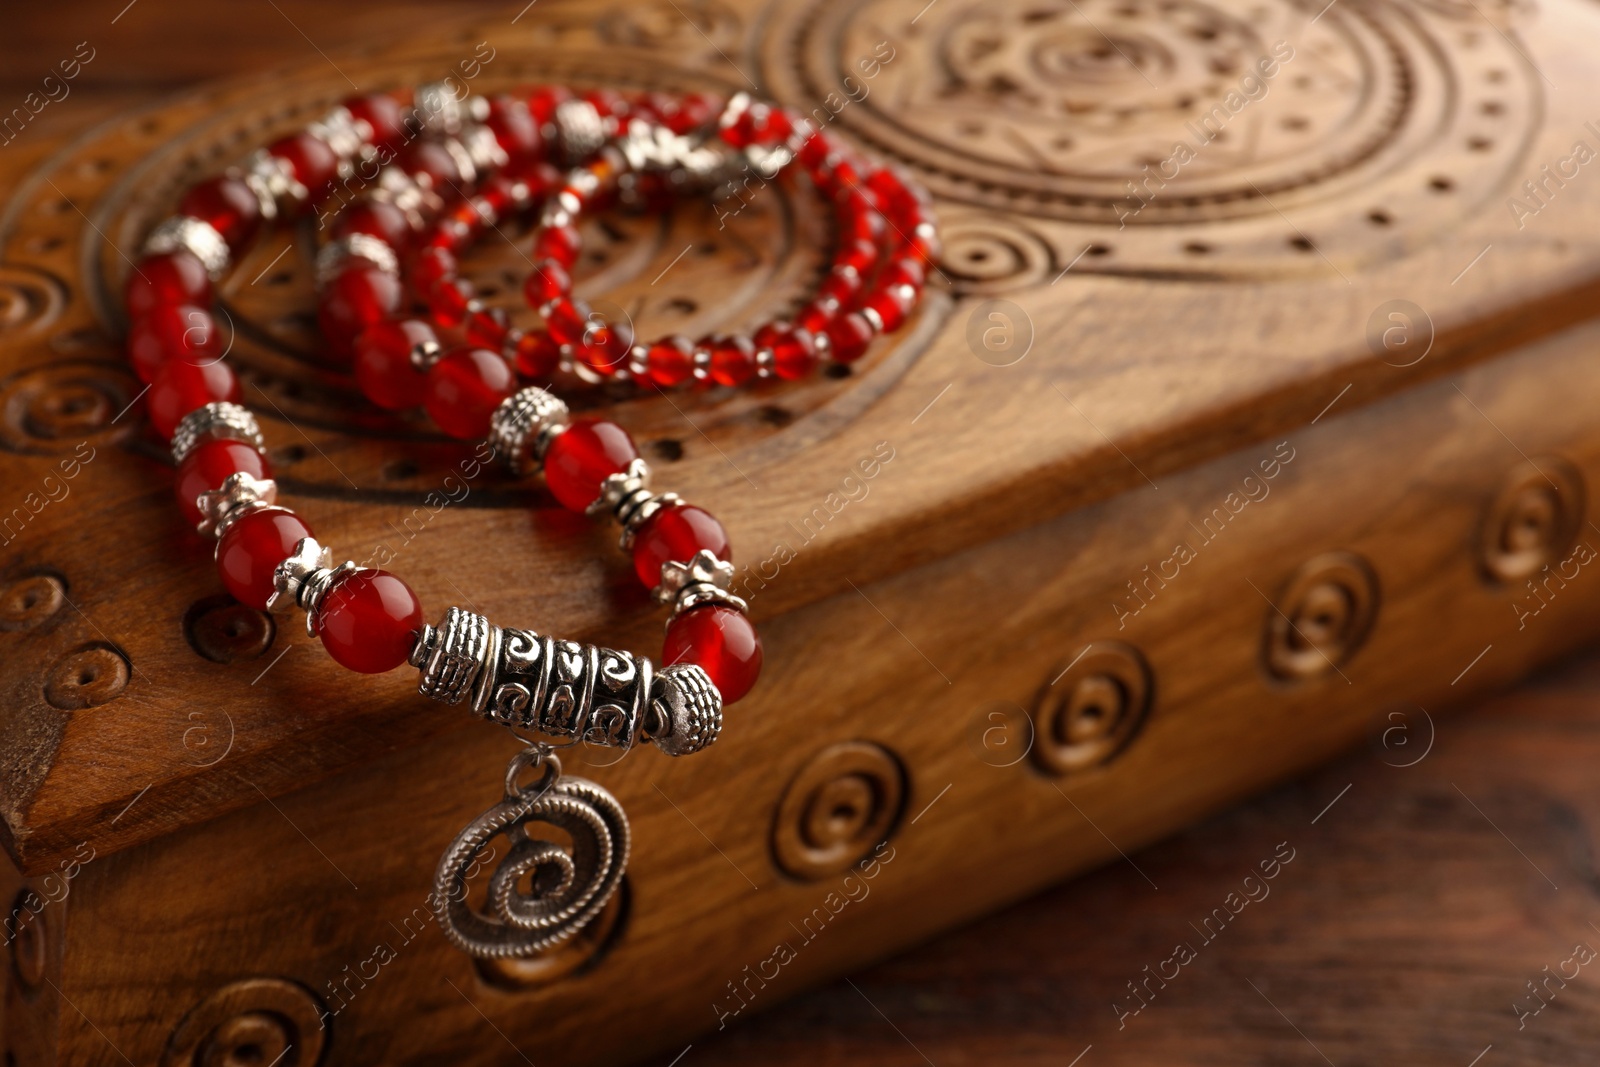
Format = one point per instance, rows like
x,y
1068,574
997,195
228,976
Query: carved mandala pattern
x,y
1203,137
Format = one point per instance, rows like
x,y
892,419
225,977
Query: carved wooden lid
x,y
1171,229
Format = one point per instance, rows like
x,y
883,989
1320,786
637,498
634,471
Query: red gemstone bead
x,y
179,387
858,255
841,285
816,315
813,152
166,278
605,344
228,205
538,355
376,218
560,243
608,102
514,127
359,296
448,302
464,388
903,272
693,111
369,621
892,305
848,337
671,361
733,359
208,465
543,101
251,549
429,268
383,363
488,328
676,534
547,281
542,177
173,331
431,165
722,642
794,352
312,160
384,114
567,321
581,457
859,219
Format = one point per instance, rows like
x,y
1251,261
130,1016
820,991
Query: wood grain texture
x,y
264,829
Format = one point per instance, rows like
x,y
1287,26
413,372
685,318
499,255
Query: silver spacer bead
x,y
483,147
424,354
193,235
651,148
239,495
874,319
618,490
272,179
685,710
442,110
342,131
332,256
768,160
580,131
462,158
451,655
397,187
522,427
221,419
703,580
639,513
304,579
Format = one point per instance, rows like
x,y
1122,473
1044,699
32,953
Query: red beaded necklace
x,y
434,177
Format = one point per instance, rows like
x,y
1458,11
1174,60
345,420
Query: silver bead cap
x,y
239,495
304,580
618,490
685,710
333,256
192,235
218,419
522,427
705,579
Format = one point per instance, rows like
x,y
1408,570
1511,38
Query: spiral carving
x,y
567,887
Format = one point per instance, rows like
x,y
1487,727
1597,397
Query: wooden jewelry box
x,y
1251,418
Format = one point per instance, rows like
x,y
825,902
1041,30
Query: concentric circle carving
x,y
1200,137
252,1021
30,300
1091,709
984,252
222,630
87,677
1322,616
31,599
844,802
1533,519
56,407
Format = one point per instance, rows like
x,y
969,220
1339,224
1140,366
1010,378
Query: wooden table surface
x,y
1422,890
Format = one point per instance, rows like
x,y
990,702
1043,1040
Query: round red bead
x,y
383,363
208,465
582,457
429,268
676,534
166,278
794,352
448,301
892,305
547,281
369,621
464,388
359,296
733,359
251,549
560,243
384,114
848,336
431,165
180,387
488,328
172,331
229,205
312,160
670,361
722,642
567,321
537,354
514,127
375,218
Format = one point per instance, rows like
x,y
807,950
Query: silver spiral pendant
x,y
540,893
